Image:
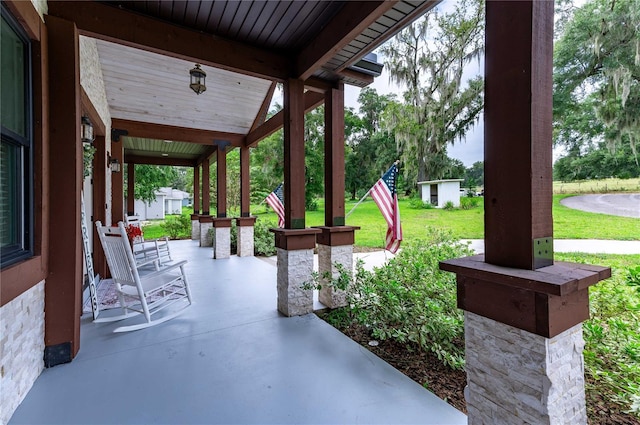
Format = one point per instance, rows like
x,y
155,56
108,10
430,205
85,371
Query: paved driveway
x,y
622,204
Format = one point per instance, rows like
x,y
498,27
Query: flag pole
x,y
365,195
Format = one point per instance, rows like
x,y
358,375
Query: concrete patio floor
x,y
230,358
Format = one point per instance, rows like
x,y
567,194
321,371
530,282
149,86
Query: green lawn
x,y
465,224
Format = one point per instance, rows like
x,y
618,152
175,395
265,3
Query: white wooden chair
x,y
147,293
145,250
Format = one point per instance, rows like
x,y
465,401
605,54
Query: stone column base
x,y
335,246
515,376
295,266
244,226
294,270
195,227
206,223
328,257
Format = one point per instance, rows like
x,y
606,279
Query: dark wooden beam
x,y
89,110
245,183
196,189
264,108
334,157
318,85
157,160
350,22
357,75
518,133
221,181
100,171
131,180
120,26
117,185
311,101
63,291
206,194
206,155
178,134
26,14
294,174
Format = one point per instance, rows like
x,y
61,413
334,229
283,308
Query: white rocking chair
x,y
150,292
145,250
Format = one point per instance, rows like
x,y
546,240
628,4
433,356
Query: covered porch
x,y
230,358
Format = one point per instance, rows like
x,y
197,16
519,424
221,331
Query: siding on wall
x,y
21,348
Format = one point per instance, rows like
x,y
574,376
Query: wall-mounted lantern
x,y
86,131
114,164
197,79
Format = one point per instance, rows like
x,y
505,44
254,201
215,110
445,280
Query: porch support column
x,y
205,219
100,170
522,311
221,224
131,198
117,185
195,223
294,243
63,297
245,223
335,243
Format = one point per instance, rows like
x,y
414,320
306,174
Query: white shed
x,y
439,192
168,201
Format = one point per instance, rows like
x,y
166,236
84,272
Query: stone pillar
x,y
295,266
335,246
244,225
221,238
195,227
523,337
206,223
515,376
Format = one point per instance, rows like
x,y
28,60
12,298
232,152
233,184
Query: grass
x,y
597,186
465,224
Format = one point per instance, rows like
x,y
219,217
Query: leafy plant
x,y
417,203
449,206
178,227
411,300
468,203
87,159
263,240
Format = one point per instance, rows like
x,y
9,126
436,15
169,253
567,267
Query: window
x,y
16,150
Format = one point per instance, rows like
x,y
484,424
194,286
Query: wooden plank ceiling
x,y
146,49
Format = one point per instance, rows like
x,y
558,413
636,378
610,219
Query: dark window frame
x,y
15,253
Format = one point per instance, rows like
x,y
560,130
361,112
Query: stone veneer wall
x,y
328,257
221,242
516,377
294,269
245,241
21,348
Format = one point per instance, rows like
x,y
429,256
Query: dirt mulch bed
x,y
448,384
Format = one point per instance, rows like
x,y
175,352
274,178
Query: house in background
x,y
439,192
168,201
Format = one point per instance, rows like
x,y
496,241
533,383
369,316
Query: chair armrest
x,y
165,269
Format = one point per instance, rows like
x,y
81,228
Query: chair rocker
x,y
151,292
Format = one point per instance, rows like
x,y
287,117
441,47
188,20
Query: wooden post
x,y
196,189
131,179
518,134
63,297
334,157
100,170
117,185
221,179
294,175
245,183
206,196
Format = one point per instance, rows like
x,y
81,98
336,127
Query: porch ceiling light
x,y
86,131
197,79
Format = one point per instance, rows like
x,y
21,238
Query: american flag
x,y
276,201
385,194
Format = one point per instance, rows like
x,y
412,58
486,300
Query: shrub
x,y
411,300
178,227
468,203
264,243
417,203
449,206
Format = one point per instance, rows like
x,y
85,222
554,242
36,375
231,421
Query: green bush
x,y
178,227
449,206
468,203
411,300
417,203
264,243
